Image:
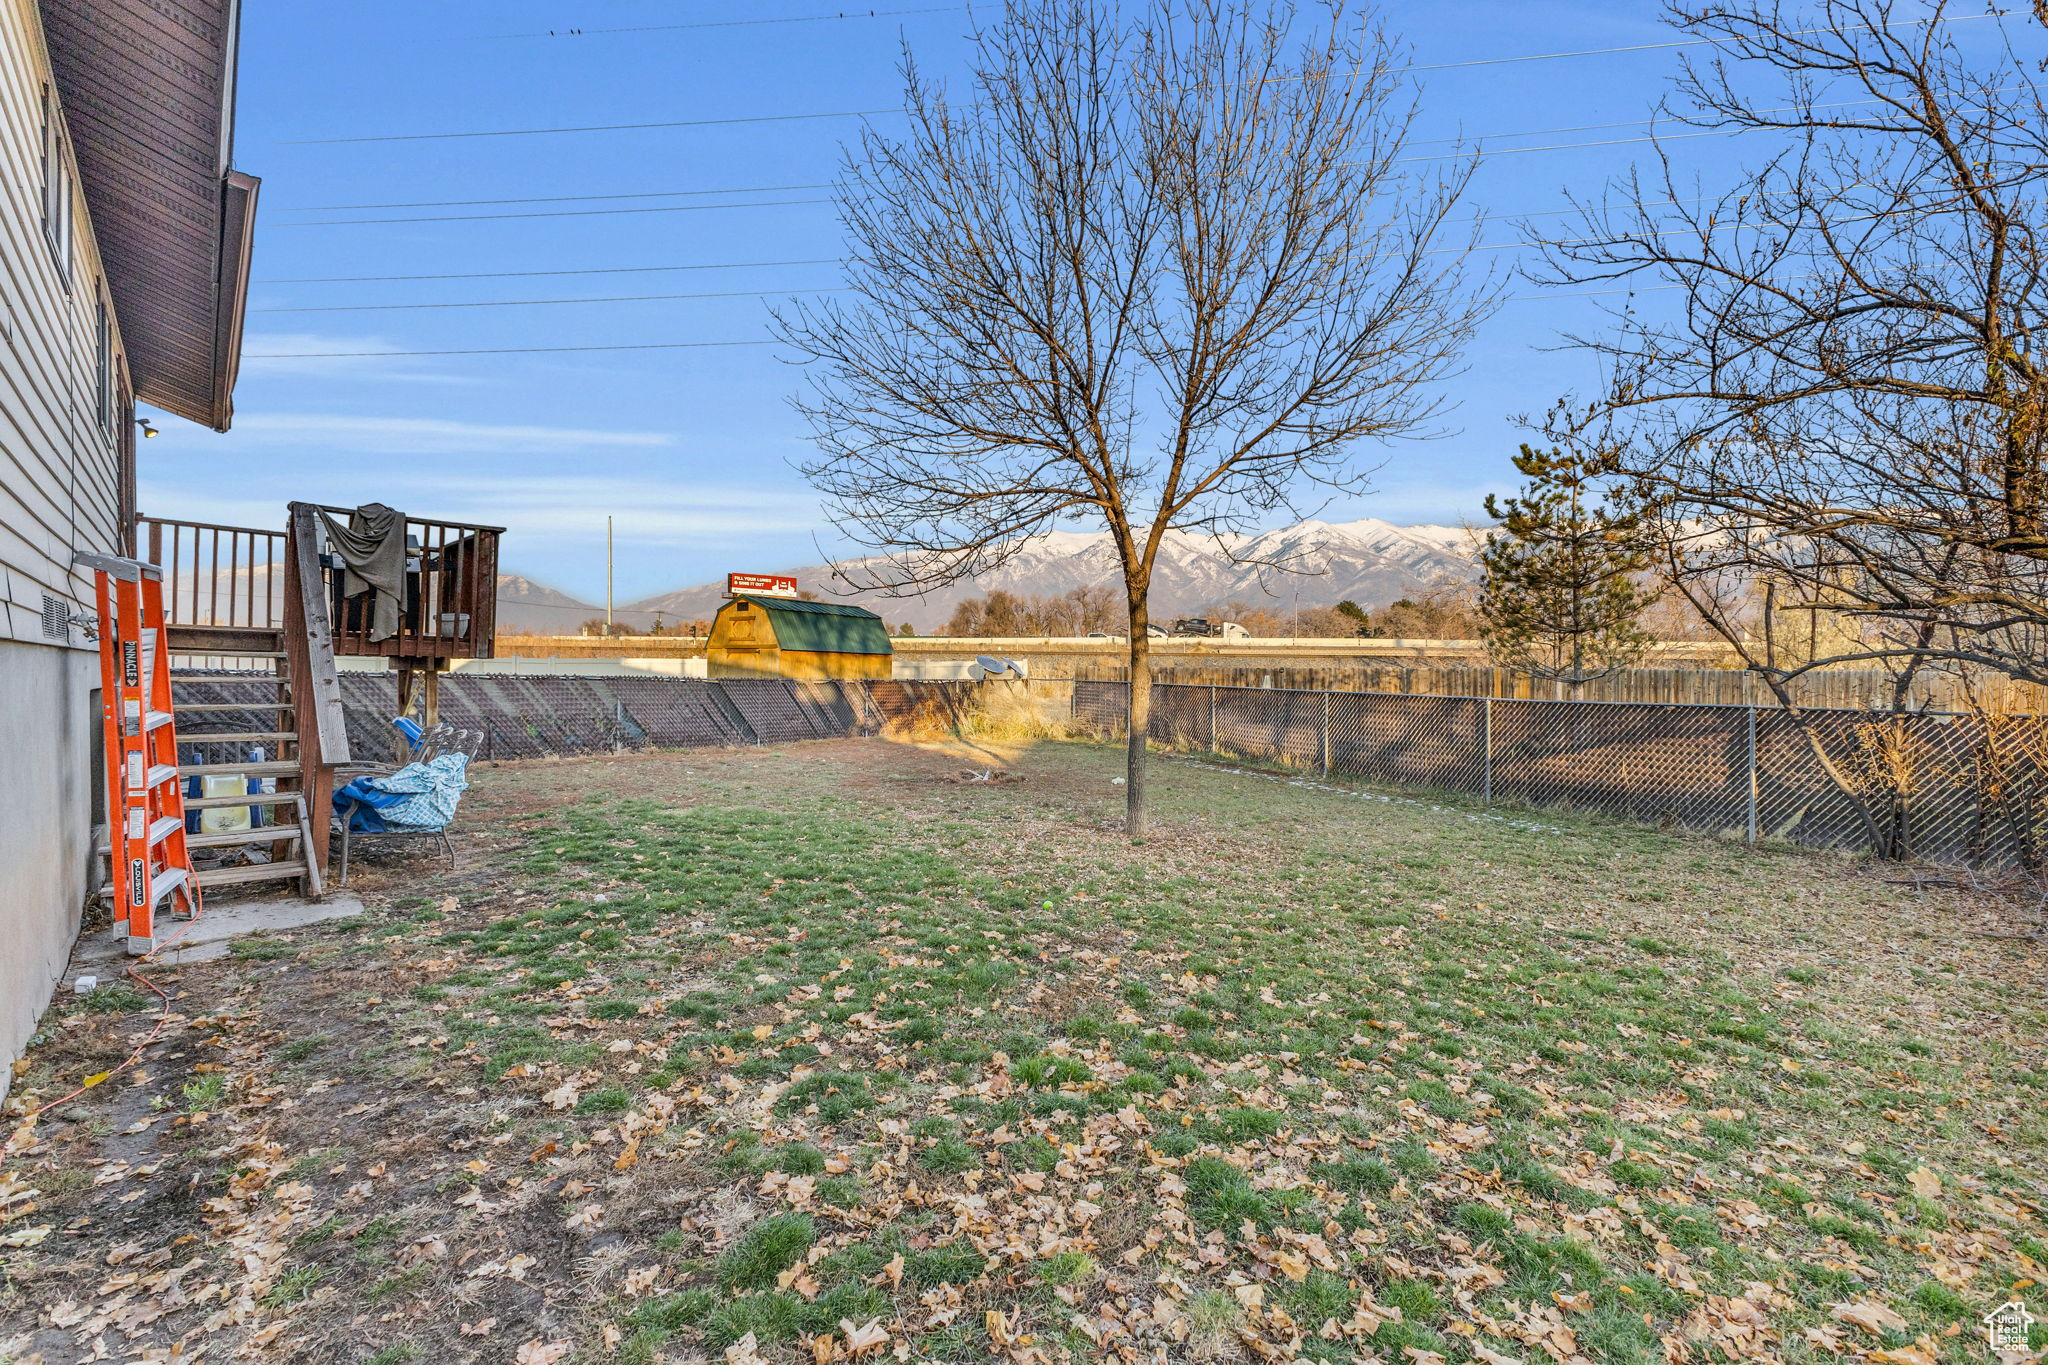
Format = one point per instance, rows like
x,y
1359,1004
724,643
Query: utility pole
x,y
607,577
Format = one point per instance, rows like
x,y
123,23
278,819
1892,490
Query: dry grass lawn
x,y
830,1052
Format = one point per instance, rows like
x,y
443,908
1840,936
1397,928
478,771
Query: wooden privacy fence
x,y
1954,789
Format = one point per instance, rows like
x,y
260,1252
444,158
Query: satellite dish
x,y
991,666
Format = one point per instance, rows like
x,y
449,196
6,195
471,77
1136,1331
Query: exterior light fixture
x,y
147,429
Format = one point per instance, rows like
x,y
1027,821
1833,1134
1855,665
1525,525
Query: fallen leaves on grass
x,y
1179,1122
1869,1314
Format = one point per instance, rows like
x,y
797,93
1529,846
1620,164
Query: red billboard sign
x,y
760,584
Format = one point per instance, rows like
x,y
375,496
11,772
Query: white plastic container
x,y
223,819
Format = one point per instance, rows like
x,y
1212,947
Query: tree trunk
x,y
1140,727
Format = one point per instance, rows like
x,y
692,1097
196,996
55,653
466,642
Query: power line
x,y
828,184
507,350
1683,42
692,345
523,303
733,23
867,113
744,293
790,203
1588,293
1474,138
588,128
546,213
1572,146
769,341
827,260
523,275
960,9
840,260
835,289
544,199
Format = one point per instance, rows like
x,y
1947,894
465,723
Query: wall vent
x,y
56,618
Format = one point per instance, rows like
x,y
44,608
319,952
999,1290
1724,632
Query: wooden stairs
x,y
237,711
245,618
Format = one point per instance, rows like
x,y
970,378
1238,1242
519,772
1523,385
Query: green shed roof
x,y
824,627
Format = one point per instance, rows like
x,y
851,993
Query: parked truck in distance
x,y
1201,627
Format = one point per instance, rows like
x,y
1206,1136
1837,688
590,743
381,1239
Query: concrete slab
x,y
103,954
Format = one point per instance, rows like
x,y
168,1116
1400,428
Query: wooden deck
x,y
231,579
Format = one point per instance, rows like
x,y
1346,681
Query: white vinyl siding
x,y
60,402
54,171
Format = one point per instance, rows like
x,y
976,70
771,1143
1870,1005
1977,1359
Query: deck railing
x,y
451,605
222,576
233,577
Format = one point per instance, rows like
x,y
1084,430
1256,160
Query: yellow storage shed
x,y
785,637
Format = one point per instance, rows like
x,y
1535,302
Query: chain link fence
x,y
1963,790
548,715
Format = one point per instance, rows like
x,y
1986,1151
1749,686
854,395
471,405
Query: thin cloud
x,y
270,355
434,435
539,512
557,508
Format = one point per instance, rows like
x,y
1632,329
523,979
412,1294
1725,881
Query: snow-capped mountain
x,y
1311,563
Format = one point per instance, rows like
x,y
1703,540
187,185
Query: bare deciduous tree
x,y
1077,611
1158,273
1846,404
1839,411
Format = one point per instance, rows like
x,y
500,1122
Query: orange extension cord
x,y
163,1018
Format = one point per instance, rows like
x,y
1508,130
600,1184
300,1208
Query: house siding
x,y
65,486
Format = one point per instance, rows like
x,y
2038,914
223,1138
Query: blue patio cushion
x,y
419,796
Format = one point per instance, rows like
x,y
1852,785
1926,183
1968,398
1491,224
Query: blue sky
x,y
690,449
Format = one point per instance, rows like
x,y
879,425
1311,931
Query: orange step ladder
x,y
151,868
